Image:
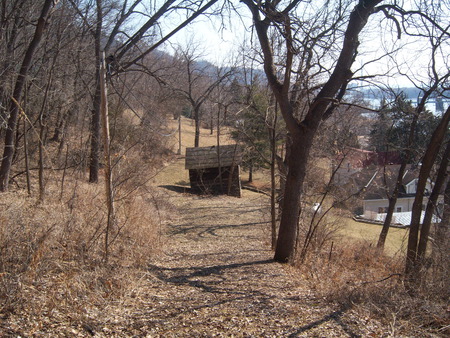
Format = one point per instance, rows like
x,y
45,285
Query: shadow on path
x,y
333,316
188,273
177,188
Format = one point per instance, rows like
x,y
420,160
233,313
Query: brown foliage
x,y
51,254
356,275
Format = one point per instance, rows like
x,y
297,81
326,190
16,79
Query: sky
x,y
219,43
219,40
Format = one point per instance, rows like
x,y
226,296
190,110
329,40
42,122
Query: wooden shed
x,y
215,170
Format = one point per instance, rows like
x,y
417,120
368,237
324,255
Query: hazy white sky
x,y
220,42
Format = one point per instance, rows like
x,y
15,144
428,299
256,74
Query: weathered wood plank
x,y
208,157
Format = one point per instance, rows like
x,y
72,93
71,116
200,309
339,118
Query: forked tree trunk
x,y
302,133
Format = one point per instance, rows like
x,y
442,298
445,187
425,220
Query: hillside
x,y
208,271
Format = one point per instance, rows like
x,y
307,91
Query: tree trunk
x,y
94,163
431,206
9,148
273,188
25,149
297,162
197,127
211,130
108,168
41,160
391,206
250,172
179,135
427,164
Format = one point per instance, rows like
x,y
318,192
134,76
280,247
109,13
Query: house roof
x,y
378,182
360,158
404,218
213,157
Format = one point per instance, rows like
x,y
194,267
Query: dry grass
x,y
188,265
359,277
52,253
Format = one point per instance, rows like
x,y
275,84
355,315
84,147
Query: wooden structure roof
x,y
213,157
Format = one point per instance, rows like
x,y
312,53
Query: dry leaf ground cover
x,y
213,275
216,277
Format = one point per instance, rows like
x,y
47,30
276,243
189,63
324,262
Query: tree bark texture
x,y
427,164
9,148
94,160
297,164
431,205
197,127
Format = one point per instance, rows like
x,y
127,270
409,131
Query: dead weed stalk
x,y
356,275
51,253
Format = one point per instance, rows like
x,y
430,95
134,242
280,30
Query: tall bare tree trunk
x,y
25,149
94,160
41,159
273,187
197,126
428,160
219,161
108,169
431,206
179,134
401,171
9,148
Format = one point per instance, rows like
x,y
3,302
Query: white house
x,y
378,184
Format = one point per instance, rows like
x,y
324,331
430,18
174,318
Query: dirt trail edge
x,y
216,277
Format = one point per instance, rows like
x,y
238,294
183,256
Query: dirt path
x,y
216,278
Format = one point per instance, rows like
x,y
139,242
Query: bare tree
x,y
310,88
438,76
324,101
9,148
195,80
134,48
413,254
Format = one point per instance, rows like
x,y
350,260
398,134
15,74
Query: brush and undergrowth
x,y
355,275
53,247
52,252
